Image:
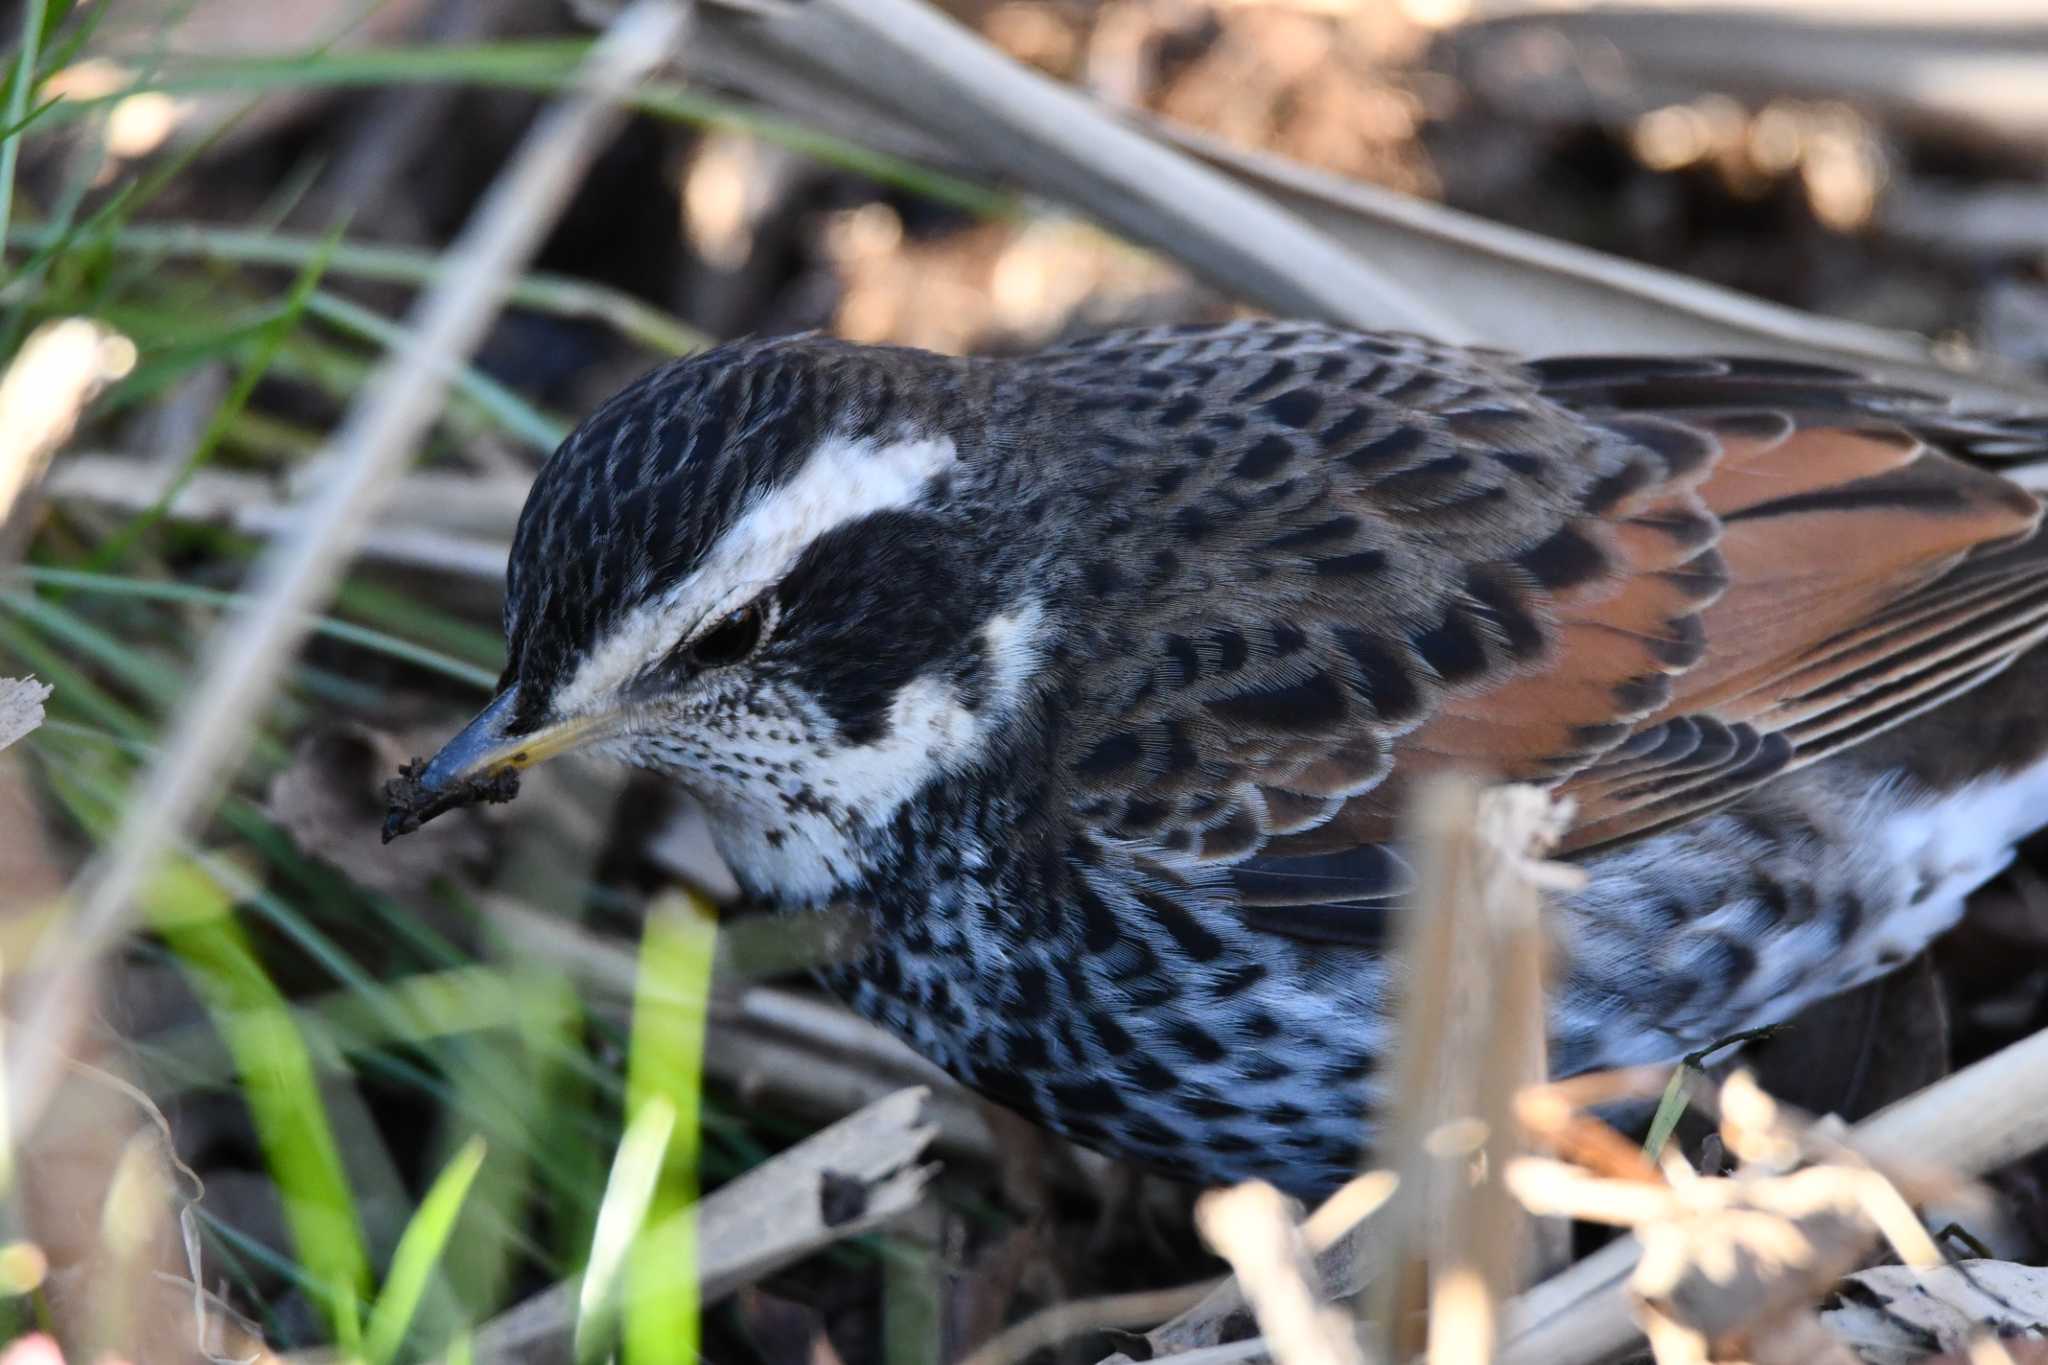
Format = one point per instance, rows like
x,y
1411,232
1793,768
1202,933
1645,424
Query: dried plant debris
x,y
1253,1226
412,803
21,707
1894,1315
113,1248
1732,1266
329,800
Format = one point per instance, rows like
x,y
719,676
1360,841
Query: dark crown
x,y
639,492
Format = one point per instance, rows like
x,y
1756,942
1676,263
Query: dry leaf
x,y
1893,1315
21,707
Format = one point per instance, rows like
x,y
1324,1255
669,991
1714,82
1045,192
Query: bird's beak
x,y
481,764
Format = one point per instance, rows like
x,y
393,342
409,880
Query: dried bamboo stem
x,y
1252,1226
1471,1036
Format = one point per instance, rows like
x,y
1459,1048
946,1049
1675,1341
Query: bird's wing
x,y
1863,587
1653,583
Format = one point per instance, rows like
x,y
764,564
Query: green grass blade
x,y
408,615
912,1314
425,1237
176,336
138,669
269,341
502,405
76,694
162,326
541,292
621,1216
391,646
194,914
18,94
544,66
1671,1106
145,675
87,240
1677,1096
670,1008
682,105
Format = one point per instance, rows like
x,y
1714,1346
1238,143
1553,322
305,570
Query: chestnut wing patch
x,y
1351,559
1362,557
1859,589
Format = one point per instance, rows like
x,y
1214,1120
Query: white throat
x,y
796,835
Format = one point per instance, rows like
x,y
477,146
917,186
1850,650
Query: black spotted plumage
x,y
1106,715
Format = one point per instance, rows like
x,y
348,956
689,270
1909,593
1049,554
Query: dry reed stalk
x,y
1346,1257
1496,283
1554,1115
1252,1226
1732,1266
1538,295
56,373
245,655
1471,1036
1968,74
250,506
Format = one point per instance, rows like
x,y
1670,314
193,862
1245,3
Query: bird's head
x,y
780,572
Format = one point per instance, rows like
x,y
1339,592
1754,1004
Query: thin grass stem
x,y
32,12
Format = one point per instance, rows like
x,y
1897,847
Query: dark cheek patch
x,y
873,604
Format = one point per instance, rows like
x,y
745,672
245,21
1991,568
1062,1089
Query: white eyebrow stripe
x,y
843,480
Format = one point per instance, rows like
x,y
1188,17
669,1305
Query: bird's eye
x,y
728,642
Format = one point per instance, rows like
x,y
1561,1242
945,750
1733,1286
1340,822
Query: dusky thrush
x,y
1094,677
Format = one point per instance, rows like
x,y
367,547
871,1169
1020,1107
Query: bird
x,y
1094,678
